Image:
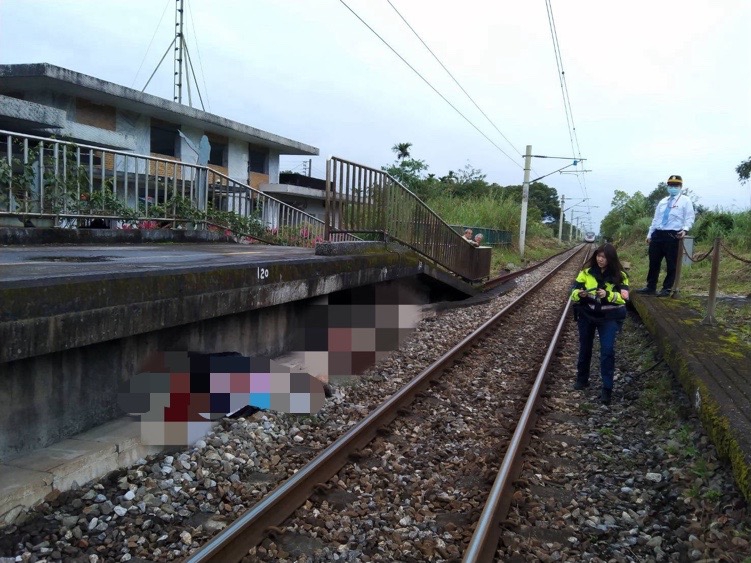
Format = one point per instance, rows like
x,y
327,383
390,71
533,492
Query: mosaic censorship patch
x,y
180,395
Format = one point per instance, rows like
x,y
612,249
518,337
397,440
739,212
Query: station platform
x,y
77,319
714,370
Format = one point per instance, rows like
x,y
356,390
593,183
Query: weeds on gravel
x,y
713,495
684,435
693,491
655,400
701,468
691,451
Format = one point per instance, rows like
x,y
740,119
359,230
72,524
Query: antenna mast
x,y
182,57
177,93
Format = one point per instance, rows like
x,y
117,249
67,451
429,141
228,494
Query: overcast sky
x,y
657,87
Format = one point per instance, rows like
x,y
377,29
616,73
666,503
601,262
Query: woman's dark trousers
x,y
607,330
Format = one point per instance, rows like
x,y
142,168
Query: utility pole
x,y
560,219
310,167
571,232
525,199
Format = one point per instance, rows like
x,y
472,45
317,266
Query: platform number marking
x,y
263,273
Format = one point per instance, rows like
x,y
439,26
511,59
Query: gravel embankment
x,y
636,481
416,491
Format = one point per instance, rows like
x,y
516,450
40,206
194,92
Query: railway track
x,y
410,480
586,490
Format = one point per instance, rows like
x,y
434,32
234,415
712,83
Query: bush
x,y
713,224
740,236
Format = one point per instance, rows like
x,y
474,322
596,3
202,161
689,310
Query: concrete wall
x,y
48,398
138,127
67,344
273,167
121,139
132,132
186,153
237,160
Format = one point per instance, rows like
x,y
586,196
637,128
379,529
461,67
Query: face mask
x,y
674,191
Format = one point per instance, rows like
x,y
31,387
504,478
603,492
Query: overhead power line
x,y
150,42
429,84
200,62
452,77
571,126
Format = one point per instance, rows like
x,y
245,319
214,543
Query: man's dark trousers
x,y
663,244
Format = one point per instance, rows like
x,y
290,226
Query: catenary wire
x,y
133,85
452,76
429,84
566,99
200,62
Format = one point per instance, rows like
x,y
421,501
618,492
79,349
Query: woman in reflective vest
x,y
600,294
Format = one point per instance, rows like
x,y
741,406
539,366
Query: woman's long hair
x,y
614,269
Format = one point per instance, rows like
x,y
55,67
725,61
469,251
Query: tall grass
x,y
492,212
503,213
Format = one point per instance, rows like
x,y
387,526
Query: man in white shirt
x,y
673,217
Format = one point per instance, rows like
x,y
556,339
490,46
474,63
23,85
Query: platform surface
x,y
714,369
49,263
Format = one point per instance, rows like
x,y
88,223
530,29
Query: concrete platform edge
x,y
731,442
109,447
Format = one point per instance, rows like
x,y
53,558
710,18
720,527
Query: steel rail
x,y
493,282
234,542
484,542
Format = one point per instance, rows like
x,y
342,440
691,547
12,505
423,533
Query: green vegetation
x,y
655,401
465,197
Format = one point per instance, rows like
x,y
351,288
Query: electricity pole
x,y
525,199
560,219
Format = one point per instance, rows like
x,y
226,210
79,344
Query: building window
x,y
219,154
96,115
217,157
164,139
258,160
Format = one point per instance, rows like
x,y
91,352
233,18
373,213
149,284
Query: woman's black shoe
x,y
579,385
646,291
606,396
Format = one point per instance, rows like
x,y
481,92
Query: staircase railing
x,y
50,182
372,204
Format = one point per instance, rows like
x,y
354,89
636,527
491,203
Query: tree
x,y
627,210
408,172
402,150
656,195
449,178
744,170
543,197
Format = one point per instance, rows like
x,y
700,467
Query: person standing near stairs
x,y
673,217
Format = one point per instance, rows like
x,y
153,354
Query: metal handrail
x,y
73,184
363,200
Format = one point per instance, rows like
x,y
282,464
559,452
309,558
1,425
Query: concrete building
x,y
46,100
